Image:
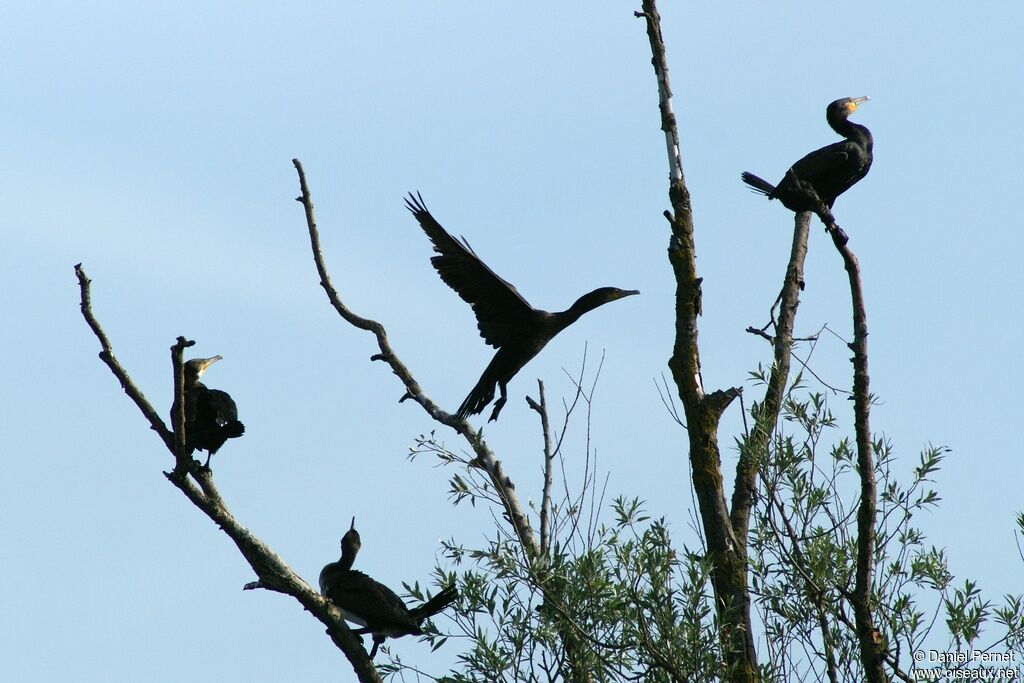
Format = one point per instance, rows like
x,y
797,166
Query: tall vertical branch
x,y
869,637
668,116
703,411
756,445
549,457
182,454
872,650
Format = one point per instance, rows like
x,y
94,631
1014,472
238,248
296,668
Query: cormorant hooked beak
x,y
201,365
857,101
627,292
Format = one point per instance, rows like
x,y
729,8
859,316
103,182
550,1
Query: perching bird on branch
x,y
211,417
831,170
505,319
373,605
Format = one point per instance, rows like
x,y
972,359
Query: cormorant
x,y
831,170
373,605
211,417
505,319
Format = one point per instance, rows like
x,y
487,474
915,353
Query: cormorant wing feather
x,y
374,603
824,160
220,406
500,310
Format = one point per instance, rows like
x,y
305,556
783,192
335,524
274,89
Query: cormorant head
x,y
606,294
591,300
616,293
350,542
195,368
840,109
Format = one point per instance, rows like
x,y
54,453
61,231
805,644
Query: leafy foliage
x,y
803,556
613,600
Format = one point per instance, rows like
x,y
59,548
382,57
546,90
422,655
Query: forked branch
x,y
197,484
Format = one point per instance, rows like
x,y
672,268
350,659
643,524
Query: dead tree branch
x,y
549,456
107,356
872,647
756,444
703,411
197,484
484,456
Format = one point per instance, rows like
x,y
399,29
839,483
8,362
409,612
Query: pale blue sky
x,y
153,144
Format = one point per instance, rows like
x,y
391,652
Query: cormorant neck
x,y
348,557
851,131
584,304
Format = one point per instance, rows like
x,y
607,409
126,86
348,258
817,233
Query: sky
x,y
152,142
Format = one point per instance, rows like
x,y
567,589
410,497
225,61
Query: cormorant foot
x,y
498,405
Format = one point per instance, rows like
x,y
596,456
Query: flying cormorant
x,y
505,319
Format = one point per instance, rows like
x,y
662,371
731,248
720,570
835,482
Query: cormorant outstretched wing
x,y
500,309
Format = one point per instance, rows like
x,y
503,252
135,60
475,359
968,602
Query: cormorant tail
x,y
435,604
757,184
231,430
479,396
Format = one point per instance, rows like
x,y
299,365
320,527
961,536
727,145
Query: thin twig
x,y
834,390
667,401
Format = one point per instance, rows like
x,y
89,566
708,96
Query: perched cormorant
x,y
831,170
211,417
373,605
505,319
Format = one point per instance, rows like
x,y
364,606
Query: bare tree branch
x,y
703,411
756,445
484,456
182,456
871,645
107,356
872,648
668,117
197,484
549,456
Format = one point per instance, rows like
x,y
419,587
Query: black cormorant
x,y
505,319
831,170
211,417
373,605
